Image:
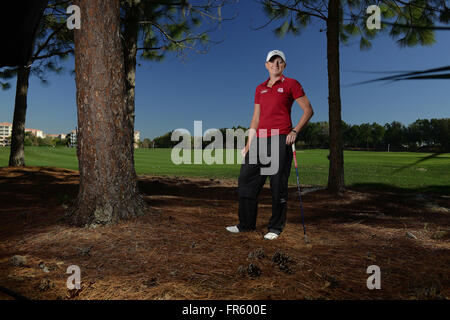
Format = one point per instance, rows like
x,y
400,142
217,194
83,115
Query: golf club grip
x,y
295,155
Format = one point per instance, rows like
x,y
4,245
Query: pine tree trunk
x,y
108,189
130,35
17,154
336,170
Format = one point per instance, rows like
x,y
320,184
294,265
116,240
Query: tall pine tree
x,y
342,19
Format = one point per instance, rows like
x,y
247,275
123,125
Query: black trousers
x,y
251,182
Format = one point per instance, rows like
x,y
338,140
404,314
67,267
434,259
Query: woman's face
x,y
275,66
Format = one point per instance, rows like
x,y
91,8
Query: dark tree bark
x,y
336,170
17,154
130,40
108,189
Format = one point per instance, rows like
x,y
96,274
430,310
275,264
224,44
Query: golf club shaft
x,y
298,187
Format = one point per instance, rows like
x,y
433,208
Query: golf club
x,y
299,192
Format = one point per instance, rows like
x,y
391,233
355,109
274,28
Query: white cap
x,y
275,53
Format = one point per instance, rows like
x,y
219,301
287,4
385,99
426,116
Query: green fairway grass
x,y
404,170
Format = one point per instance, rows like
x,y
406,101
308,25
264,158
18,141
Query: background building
x,y
60,136
38,133
5,133
72,138
137,138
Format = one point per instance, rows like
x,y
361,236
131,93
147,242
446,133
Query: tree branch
x,y
54,54
298,10
48,40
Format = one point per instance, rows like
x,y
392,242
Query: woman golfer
x,y
272,125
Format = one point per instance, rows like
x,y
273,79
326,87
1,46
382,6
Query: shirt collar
x,y
282,78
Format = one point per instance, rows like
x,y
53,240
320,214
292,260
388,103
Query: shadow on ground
x,y
180,249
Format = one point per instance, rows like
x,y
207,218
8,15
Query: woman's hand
x,y
244,151
291,137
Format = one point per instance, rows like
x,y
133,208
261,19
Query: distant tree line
x,y
422,135
165,141
32,140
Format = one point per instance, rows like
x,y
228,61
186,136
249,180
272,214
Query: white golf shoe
x,y
270,236
233,229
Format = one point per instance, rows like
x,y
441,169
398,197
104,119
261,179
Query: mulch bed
x,y
181,250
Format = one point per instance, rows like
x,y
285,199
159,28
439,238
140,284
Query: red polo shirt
x,y
276,104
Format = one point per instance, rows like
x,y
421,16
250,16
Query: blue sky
x,y
218,87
